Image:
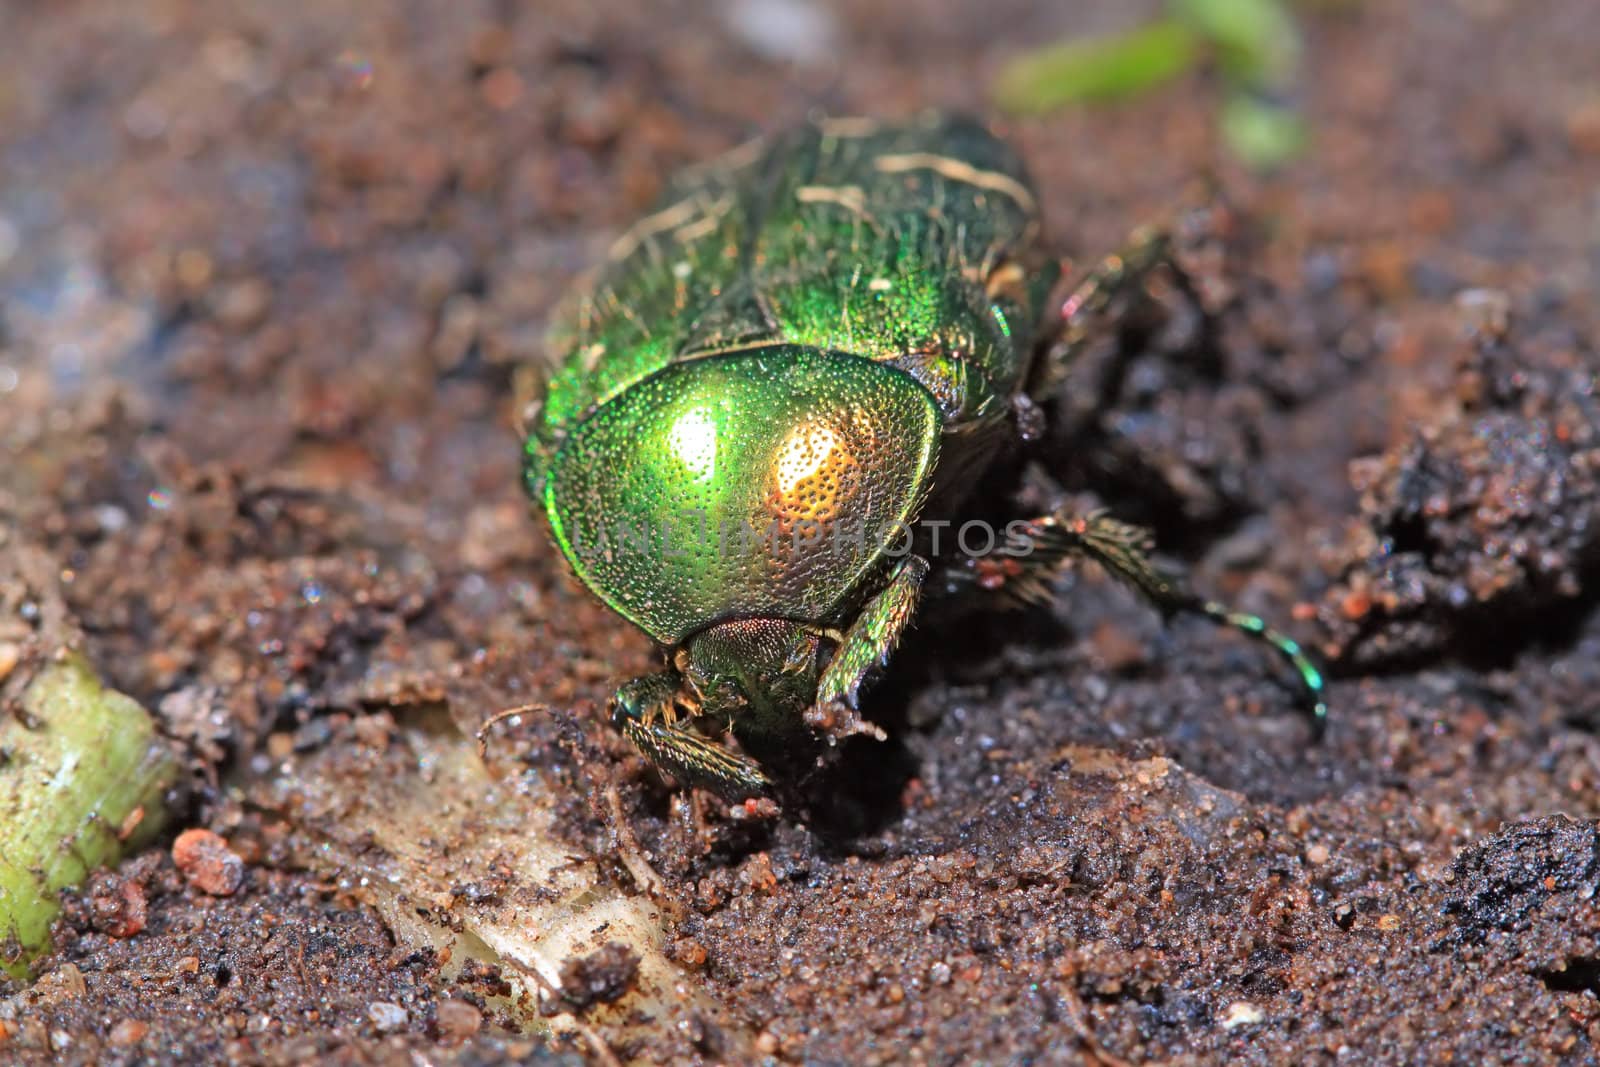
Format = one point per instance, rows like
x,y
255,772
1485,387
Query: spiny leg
x,y
1114,276
866,646
645,710
1147,249
1123,550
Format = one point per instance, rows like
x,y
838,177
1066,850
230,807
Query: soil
x,y
266,278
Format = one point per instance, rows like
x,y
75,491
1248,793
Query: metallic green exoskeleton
x,y
813,346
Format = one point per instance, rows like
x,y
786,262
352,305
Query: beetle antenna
x,y
496,719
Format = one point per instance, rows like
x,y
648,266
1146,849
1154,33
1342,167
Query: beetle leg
x,y
1114,275
1123,549
1117,274
866,646
645,711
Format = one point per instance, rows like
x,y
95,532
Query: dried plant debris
x,y
472,869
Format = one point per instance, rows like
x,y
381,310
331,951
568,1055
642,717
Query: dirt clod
x,y
602,977
386,1017
457,1020
128,1032
1488,513
119,906
1515,880
208,863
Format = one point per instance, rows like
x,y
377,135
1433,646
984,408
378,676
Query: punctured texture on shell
x,y
755,484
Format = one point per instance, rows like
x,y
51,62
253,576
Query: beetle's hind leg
x,y
645,710
1038,549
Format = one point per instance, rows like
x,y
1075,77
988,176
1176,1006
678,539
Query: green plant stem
x,y
83,774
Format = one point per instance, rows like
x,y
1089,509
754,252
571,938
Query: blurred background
x,y
417,181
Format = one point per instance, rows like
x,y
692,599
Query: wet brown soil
x,y
265,277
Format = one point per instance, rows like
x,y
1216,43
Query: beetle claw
x,y
837,721
870,729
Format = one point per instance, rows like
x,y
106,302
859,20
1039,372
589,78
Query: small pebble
x,y
63,983
689,954
280,745
1241,1013
1486,312
387,1017
208,863
457,1019
790,31
128,1032
1355,605
244,304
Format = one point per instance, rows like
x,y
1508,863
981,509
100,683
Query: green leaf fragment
x,y
1255,40
1097,68
77,765
1261,133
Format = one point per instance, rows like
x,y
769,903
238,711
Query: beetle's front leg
x,y
865,647
646,711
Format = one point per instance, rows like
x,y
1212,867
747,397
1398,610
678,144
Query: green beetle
x,y
809,351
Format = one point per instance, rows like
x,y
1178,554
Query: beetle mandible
x,y
813,346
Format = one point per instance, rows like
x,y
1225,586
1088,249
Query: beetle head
x,y
753,671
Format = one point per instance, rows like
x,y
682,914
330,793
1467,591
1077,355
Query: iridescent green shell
x,y
757,484
876,280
